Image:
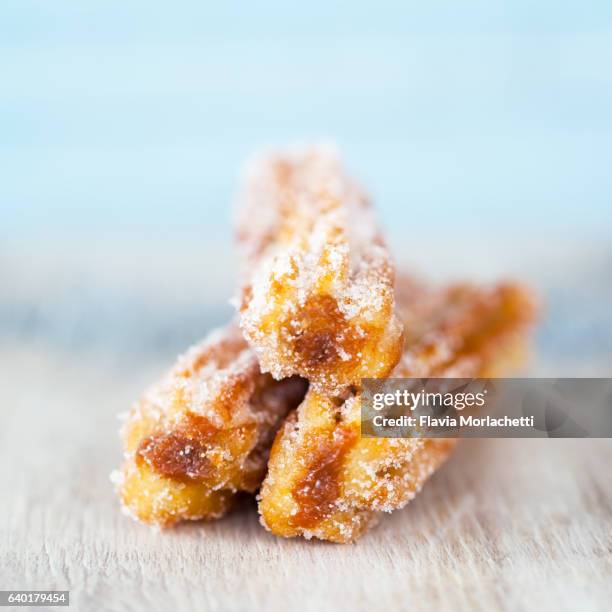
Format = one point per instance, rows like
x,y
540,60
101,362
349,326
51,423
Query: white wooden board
x,y
505,525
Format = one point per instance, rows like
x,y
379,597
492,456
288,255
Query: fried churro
x,y
317,300
317,310
203,433
324,480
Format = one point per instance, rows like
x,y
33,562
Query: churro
x,y
324,480
317,298
203,433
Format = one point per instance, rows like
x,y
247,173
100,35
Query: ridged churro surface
x,y
317,298
324,480
203,433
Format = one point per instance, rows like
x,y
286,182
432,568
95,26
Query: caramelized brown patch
x,y
175,456
317,347
319,343
180,454
316,492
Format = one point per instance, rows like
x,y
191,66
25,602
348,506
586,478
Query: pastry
x,y
326,481
203,433
317,297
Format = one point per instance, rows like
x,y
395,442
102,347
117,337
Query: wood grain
x,y
505,525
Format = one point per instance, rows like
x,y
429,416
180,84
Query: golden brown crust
x,y
203,433
317,299
324,480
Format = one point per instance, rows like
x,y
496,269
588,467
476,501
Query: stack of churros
x,y
271,403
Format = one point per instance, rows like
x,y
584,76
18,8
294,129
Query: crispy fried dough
x,y
324,480
317,298
203,433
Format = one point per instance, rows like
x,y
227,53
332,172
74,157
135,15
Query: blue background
x,y
135,116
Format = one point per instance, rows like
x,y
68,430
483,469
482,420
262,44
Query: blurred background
x,y
483,129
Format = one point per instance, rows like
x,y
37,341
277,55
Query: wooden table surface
x,y
506,524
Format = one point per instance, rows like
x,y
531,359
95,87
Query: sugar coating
x,y
317,295
202,433
324,480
